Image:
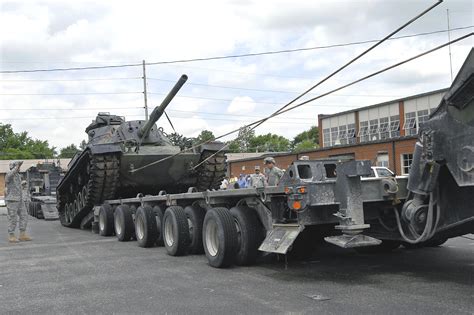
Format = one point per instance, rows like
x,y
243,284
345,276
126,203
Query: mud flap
x,y
351,241
280,238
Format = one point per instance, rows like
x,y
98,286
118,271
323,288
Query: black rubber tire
x,y
385,247
249,232
39,211
225,237
145,227
159,212
106,214
435,242
123,217
175,219
95,227
196,215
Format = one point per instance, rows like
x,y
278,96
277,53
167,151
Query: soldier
x,y
15,203
272,173
257,180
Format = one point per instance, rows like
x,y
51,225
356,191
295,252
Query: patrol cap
x,y
257,168
269,160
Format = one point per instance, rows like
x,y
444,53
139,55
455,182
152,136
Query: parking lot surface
x,y
72,271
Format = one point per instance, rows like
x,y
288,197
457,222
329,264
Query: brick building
x,y
383,133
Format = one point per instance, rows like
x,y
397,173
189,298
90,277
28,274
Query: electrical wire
x,y
226,56
322,95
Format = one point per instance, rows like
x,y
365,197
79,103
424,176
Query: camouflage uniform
x,y
14,199
273,175
257,181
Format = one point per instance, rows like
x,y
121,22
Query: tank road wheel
x,y
175,231
249,235
195,216
123,223
145,227
106,220
159,212
219,237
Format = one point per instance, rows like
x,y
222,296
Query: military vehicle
x,y
322,199
42,181
108,168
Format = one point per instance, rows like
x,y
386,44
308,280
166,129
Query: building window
x,y
342,135
384,128
394,126
407,159
374,129
351,134
334,134
410,124
364,131
423,116
382,160
326,137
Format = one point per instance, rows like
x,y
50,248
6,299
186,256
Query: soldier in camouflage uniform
x,y
15,203
272,173
257,179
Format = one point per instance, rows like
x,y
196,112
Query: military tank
x,y
110,166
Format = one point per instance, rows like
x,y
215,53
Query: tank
x,y
110,167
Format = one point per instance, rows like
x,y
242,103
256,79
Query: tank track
x,y
93,180
211,172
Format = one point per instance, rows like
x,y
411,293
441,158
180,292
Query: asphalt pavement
x,y
72,271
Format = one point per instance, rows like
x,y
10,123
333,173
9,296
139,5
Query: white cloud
x,y
241,105
49,34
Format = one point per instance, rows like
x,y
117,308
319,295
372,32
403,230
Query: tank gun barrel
x,y
159,110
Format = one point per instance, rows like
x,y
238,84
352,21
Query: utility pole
x,y
144,91
449,47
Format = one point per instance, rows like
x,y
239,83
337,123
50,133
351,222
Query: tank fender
x,y
105,148
213,146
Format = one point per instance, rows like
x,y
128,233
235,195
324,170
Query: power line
x,y
228,56
61,80
83,93
83,117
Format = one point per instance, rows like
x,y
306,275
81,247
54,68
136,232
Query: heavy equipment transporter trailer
x,y
326,197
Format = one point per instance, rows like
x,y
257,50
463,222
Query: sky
x,y
220,95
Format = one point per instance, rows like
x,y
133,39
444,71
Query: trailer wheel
x,y
248,235
123,222
219,237
195,216
159,212
175,231
145,227
39,211
106,220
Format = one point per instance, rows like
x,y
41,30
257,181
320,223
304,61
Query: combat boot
x,y
24,237
12,238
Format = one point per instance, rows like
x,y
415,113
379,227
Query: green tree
x,y
21,146
205,136
305,145
242,142
83,144
311,134
269,143
69,151
181,141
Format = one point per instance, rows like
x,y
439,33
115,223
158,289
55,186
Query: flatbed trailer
x,y
327,198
